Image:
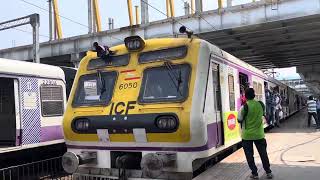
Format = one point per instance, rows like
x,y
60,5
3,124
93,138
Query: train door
x,y
7,112
244,83
217,103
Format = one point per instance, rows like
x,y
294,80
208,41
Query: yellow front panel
x,y
133,73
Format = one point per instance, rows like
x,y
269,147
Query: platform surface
x,y
294,154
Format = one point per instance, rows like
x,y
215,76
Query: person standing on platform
x,y
318,109
312,111
269,109
250,116
277,106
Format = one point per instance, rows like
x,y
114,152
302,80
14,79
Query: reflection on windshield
x,y
95,89
163,84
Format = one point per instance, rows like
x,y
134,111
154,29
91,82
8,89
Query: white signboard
x,y
90,89
30,100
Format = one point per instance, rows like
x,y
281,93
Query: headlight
x,y
82,124
167,122
134,43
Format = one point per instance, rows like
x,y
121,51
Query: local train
x,y
32,102
161,109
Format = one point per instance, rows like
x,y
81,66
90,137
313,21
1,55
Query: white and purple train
x,y
32,102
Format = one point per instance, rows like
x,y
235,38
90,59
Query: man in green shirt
x,y
250,117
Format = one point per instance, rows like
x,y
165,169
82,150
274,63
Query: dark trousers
x,y
315,118
269,113
277,117
261,146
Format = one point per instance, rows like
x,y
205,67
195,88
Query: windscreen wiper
x,y
173,76
102,82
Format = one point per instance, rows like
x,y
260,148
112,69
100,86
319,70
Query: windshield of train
x,y
95,89
165,84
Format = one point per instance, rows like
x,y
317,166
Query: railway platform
x,y
294,153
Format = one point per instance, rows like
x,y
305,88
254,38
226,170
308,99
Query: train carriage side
x,y
228,78
32,102
102,136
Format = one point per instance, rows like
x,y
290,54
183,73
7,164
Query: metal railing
x,y
42,170
77,176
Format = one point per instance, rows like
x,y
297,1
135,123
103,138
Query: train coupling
x,y
71,161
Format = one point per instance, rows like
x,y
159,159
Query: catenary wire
x,y
44,9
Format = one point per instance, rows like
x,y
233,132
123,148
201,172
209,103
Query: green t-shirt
x,y
252,128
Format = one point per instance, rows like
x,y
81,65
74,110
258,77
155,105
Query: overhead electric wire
x,y
21,30
165,14
192,10
44,9
153,7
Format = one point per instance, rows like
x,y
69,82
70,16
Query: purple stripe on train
x,y
49,133
214,140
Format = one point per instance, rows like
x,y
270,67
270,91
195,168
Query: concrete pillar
x,y
35,23
110,23
144,12
229,3
186,8
199,6
50,20
90,19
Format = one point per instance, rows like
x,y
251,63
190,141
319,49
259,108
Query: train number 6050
x,y
128,85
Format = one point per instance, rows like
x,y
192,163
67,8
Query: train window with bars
x,y
231,92
51,100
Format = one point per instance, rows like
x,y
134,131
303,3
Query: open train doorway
x,y
244,84
7,112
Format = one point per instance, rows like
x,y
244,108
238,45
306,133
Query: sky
x,y
286,73
76,10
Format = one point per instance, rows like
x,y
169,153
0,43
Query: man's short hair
x,y
250,93
310,97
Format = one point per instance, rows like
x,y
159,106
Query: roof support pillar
x,y
198,6
229,3
35,23
144,12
